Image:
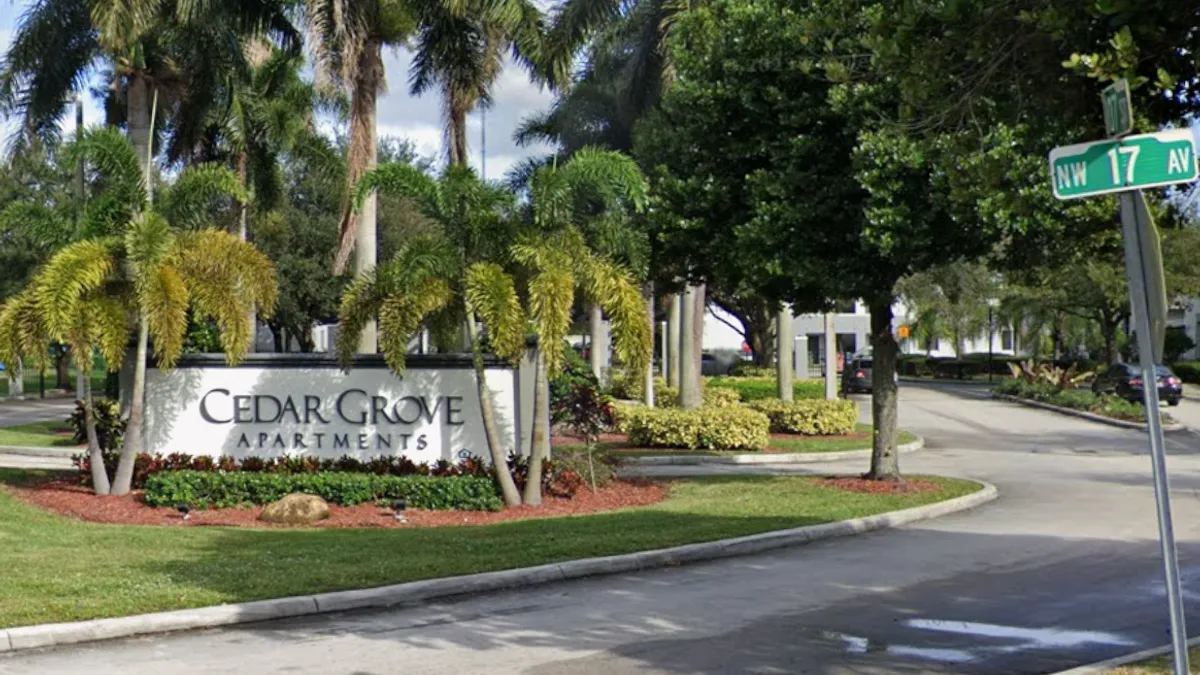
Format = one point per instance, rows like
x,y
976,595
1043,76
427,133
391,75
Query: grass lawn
x,y
1161,665
33,384
794,444
52,434
63,570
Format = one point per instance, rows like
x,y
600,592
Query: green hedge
x,y
202,489
668,397
812,418
1188,371
759,388
735,428
1076,399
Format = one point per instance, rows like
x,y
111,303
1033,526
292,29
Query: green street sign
x,y
1117,116
1130,163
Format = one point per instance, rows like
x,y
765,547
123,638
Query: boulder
x,y
296,509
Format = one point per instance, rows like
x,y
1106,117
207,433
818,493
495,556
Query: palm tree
x,y
347,38
132,40
147,267
431,280
459,51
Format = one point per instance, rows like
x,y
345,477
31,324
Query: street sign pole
x,y
1143,269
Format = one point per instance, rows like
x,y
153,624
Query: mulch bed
x,y
68,499
850,484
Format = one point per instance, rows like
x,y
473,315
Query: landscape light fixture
x,y
398,506
184,509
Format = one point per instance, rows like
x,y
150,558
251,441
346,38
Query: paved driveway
x,y
37,410
1061,570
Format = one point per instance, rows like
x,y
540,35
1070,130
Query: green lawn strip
x,y
797,444
63,570
756,388
49,434
33,383
1159,665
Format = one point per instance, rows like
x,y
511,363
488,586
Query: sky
x,y
401,115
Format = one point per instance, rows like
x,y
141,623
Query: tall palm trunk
x,y
540,449
508,487
362,157
135,430
456,131
596,336
689,390
16,380
783,366
138,117
648,384
243,233
674,310
95,454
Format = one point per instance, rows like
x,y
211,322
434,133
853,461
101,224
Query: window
x,y
1006,339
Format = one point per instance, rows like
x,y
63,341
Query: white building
x,y
852,324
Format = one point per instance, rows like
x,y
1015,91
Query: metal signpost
x,y
1126,165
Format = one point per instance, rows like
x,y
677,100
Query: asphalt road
x,y
36,410
1061,570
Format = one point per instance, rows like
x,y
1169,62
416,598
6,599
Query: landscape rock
x,y
296,509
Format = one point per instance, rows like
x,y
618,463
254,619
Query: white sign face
x,y
288,410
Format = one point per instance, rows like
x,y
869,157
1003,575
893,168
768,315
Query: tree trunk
x,y
456,133
277,336
358,230
885,461
540,449
62,368
598,343
761,336
648,384
16,380
783,365
674,343
1108,331
689,390
135,430
100,482
701,300
138,121
831,348
508,488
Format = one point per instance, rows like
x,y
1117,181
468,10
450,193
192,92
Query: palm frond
x,y
492,295
71,275
148,240
614,290
163,297
107,153
404,180
400,317
227,279
612,175
360,303
47,61
189,203
23,331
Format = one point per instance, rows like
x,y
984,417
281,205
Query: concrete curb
x,y
761,458
57,634
1168,424
59,453
1105,666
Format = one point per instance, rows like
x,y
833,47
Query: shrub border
x,y
1169,424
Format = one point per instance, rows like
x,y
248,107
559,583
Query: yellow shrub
x,y
809,417
717,397
735,428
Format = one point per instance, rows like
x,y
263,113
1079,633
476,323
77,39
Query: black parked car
x,y
1125,380
856,376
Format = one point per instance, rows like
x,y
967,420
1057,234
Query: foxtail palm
x,y
429,277
147,270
